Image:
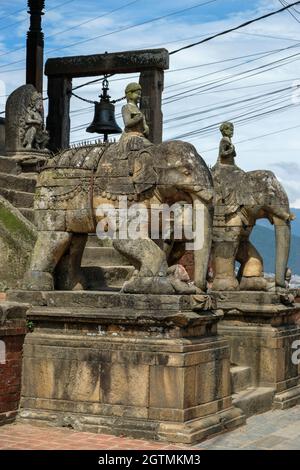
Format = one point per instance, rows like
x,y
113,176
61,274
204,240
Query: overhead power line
x,y
263,54
269,36
235,28
248,61
60,5
25,19
229,104
73,27
291,10
112,32
239,76
126,28
11,14
240,119
93,19
257,137
249,104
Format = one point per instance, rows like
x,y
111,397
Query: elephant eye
x,y
186,172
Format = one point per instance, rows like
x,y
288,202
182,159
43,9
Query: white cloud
x,y
260,153
296,204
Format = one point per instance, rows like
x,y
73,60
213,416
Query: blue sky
x,y
259,142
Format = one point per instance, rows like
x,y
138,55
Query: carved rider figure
x,y
136,129
36,137
133,143
227,151
227,176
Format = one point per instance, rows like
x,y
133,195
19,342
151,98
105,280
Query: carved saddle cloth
x,y
127,168
228,180
116,169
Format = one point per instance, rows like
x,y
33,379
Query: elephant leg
x,y
151,265
223,264
251,271
175,252
68,273
145,255
48,250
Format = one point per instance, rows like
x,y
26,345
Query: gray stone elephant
x,y
241,198
76,182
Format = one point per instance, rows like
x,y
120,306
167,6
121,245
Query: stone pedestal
x,y
262,329
26,161
139,365
12,333
2,135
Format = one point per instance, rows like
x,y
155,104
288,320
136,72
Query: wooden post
x,y
152,83
35,45
58,120
60,71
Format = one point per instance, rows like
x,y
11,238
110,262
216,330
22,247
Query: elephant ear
x,y
144,175
247,191
228,184
257,187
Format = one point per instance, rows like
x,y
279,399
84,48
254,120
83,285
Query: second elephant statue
x,y
241,198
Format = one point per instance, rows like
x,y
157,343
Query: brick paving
x,y
276,430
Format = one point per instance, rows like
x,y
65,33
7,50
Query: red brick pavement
x,y
19,436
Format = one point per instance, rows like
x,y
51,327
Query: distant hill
x,y
264,240
295,223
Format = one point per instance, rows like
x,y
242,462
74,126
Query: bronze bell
x,y
104,121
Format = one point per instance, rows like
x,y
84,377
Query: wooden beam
x,y
152,83
116,62
58,120
35,45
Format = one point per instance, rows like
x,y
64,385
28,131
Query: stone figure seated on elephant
x,y
241,198
76,182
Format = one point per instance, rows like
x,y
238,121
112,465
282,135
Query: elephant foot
x,y
254,283
38,281
225,283
148,285
185,288
181,281
271,287
79,286
70,281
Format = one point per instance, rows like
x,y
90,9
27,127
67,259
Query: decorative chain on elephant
x,y
76,182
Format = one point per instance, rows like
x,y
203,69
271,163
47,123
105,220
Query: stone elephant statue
x,y
241,198
76,182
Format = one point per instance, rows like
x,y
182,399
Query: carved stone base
x,y
189,432
27,161
146,366
262,330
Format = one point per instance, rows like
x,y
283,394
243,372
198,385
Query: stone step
x,y
240,378
106,277
12,311
253,400
105,300
93,240
103,256
24,162
18,198
7,165
28,174
28,213
17,183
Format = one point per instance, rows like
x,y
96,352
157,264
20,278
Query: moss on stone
x,y
15,227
